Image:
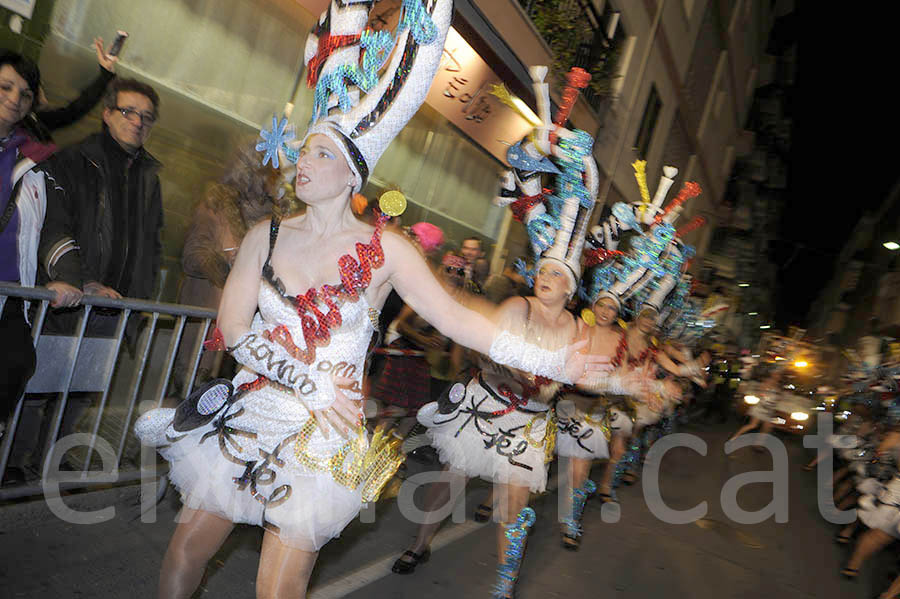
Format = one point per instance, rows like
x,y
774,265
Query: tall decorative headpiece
x,y
359,103
651,272
556,218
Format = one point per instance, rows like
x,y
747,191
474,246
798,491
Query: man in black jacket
x,y
101,234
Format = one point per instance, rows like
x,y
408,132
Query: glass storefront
x,y
222,69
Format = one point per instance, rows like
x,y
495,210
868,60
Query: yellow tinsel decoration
x,y
640,173
499,91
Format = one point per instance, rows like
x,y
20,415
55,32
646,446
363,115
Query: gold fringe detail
x,y
371,466
380,463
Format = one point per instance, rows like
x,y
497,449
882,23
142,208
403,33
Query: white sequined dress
x,y
263,460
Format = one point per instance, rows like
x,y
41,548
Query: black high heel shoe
x,y
570,542
483,512
407,567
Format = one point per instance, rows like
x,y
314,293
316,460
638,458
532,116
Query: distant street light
x,y
765,326
801,363
891,245
748,284
752,313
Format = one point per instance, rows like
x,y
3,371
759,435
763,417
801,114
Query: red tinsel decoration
x,y
254,385
691,226
355,277
690,190
216,342
521,206
648,353
576,79
515,401
621,349
599,256
327,45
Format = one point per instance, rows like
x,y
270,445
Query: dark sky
x,y
843,152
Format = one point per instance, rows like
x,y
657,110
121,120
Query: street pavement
x,y
639,556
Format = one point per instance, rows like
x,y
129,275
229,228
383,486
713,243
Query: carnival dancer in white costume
x,y
500,425
880,512
591,427
647,278
287,449
762,413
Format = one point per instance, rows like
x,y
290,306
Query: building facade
x,y
675,81
861,297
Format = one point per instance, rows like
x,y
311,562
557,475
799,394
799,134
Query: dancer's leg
x,y
616,451
511,500
754,422
197,538
892,591
437,496
578,471
871,542
284,571
848,502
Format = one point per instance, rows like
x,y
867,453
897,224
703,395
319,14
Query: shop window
x,y
648,123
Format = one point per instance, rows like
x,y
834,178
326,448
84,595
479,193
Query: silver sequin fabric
x,y
253,463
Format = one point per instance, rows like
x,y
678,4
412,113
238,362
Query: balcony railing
x,y
579,36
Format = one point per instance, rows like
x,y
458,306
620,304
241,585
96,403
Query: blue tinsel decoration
x,y
508,571
579,497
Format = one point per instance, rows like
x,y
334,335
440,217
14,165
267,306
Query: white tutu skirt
x,y
472,439
644,416
883,511
761,412
582,428
885,518
870,486
258,463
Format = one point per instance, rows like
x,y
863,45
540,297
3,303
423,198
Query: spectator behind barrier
x,y
104,213
22,205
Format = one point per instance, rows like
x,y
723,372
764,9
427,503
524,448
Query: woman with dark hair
x,y
22,207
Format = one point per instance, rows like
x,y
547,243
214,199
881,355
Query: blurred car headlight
x,y
800,416
751,400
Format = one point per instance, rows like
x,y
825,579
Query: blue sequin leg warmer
x,y
579,498
508,571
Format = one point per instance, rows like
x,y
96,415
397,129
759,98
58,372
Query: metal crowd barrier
x,y
76,364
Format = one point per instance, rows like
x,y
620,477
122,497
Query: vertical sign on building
x,y
461,89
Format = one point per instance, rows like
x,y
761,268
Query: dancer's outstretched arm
x,y
407,272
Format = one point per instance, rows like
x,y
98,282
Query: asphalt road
x,y
639,556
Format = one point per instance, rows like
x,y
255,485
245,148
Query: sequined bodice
x,y
345,352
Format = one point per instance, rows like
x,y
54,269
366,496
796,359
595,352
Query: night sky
x,y
843,152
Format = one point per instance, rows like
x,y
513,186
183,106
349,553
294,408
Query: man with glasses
x,y
101,233
104,213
